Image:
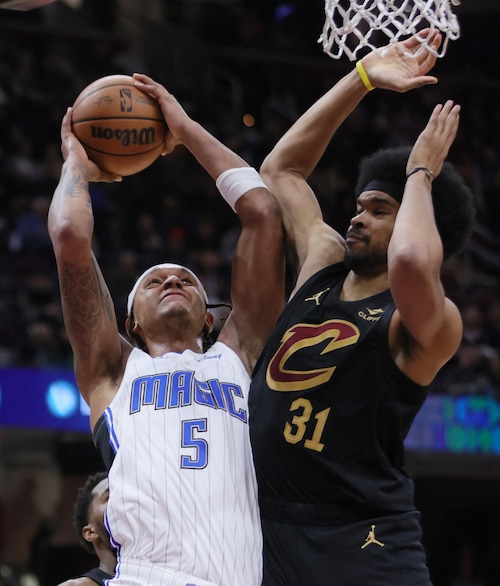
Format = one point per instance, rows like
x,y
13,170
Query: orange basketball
x,y
121,128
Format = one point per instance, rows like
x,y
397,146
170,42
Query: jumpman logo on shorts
x,y
371,539
316,296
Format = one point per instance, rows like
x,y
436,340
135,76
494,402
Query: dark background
x,y
222,59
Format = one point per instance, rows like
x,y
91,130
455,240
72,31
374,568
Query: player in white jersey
x,y
170,417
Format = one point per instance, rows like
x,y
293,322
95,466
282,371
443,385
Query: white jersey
x,y
183,493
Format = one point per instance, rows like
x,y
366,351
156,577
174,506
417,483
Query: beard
x,y
368,262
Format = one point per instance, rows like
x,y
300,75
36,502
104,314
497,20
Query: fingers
x,y
420,81
167,149
431,38
66,122
423,48
170,143
411,43
97,175
432,145
110,178
447,112
448,117
443,123
427,58
143,78
147,84
436,41
150,86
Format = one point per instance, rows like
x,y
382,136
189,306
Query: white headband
x,y
166,265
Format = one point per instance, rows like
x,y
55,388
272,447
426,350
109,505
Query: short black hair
x,y
82,505
452,199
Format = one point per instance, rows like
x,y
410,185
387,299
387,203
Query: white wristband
x,y
234,183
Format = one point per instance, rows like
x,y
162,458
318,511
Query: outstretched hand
x,y
72,147
175,116
433,144
404,65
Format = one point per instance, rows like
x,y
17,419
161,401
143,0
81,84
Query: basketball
x,y
121,128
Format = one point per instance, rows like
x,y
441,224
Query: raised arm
x,y
257,289
415,256
87,306
287,167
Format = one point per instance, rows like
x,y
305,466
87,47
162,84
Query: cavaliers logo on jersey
x,y
337,333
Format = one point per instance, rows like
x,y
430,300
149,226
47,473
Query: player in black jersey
x,y
367,328
88,519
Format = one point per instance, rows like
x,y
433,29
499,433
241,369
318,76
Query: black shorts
x,y
384,551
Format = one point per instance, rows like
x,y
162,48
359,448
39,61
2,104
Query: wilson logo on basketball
x,y
127,136
122,129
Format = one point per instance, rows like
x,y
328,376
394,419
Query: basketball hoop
x,y
353,25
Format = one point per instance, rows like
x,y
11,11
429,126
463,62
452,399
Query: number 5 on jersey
x,y
199,457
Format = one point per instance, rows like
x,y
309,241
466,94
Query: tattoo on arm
x,y
105,297
78,185
86,302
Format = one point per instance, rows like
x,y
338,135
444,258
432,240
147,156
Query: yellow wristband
x,y
364,77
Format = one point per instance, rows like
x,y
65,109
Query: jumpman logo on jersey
x,y
371,539
316,296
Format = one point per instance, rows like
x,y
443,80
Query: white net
x,y
353,25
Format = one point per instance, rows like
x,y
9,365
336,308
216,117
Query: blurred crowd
x,y
172,210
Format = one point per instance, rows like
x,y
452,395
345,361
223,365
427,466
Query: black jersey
x,y
329,410
98,576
